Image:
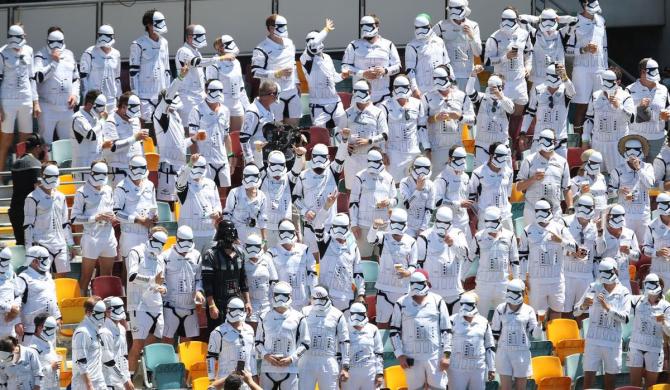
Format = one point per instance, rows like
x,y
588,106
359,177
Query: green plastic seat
x,y
61,152
469,163
164,212
370,270
517,210
153,356
169,376
18,257
540,348
572,366
518,226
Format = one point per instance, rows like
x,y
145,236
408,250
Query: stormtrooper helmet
x,y
651,71
320,300
98,313
229,45
358,314
105,36
138,168
50,176
235,311
251,176
421,167
547,140
56,40
548,21
514,292
509,20
253,245
443,220
369,28
592,6
375,162
50,329
280,27
458,159
184,242
16,37
215,92
494,83
607,271
663,203
609,82
617,216
41,254
199,36
156,242
340,226
98,175
158,23
134,107
100,104
421,27
492,219
585,207
320,159
501,156
281,295
398,221
652,285
543,212
276,164
115,305
198,169
401,87
552,78
361,92
418,284
287,232
633,149
592,165
313,46
441,79
458,10
5,260
468,304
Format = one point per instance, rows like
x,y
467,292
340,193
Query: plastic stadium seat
x,y
65,371
555,383
18,256
519,225
470,283
469,163
370,270
660,386
153,160
371,303
562,329
201,384
66,288
568,347
68,188
540,348
107,286
318,135
631,271
628,388
164,212
346,99
169,376
395,378
343,202
149,146
573,366
61,152
517,196
546,367
170,241
72,312
575,157
20,149
154,355
642,272
193,354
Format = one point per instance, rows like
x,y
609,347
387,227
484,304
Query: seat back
x,y
61,152
395,378
159,353
164,212
573,366
153,160
192,352
562,329
170,241
346,99
200,383
149,146
660,386
555,383
370,270
107,286
545,367
67,288
371,303
18,256
540,348
169,376
568,347
72,310
318,135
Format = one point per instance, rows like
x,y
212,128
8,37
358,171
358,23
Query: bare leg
x,y
382,325
134,355
106,265
580,116
610,380
506,382
520,383
87,269
589,379
236,123
636,376
5,144
554,314
650,379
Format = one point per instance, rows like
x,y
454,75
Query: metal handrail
x,y
61,170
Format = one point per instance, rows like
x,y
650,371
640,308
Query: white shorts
x,y
234,106
467,379
385,302
399,164
188,102
651,360
360,378
93,247
596,356
514,363
364,247
438,159
180,322
130,240
547,295
61,258
54,119
220,173
17,111
574,289
426,372
283,381
288,105
318,369
490,296
352,165
586,81
166,190
142,324
202,243
309,239
517,90
147,107
323,113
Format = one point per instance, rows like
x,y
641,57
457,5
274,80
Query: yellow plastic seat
x,y
170,241
200,383
395,378
660,386
562,329
468,140
149,146
68,188
65,370
517,196
555,383
193,354
546,367
72,312
67,288
153,160
567,347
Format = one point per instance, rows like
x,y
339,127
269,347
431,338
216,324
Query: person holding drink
x,y
591,181
618,242
657,239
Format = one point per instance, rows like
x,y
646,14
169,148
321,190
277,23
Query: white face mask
x,y
418,288
548,25
100,104
492,225
235,311
442,227
633,150
118,313
609,85
375,167
546,144
5,262
652,73
543,215
281,27
401,91
421,28
457,163
280,299
229,45
398,227
198,171
49,330
199,37
593,7
159,24
184,245
50,181
499,160
358,318
156,243
361,96
287,233
138,172
467,309
319,160
592,167
553,79
134,107
420,171
508,21
339,232
98,175
98,314
105,36
616,221
252,250
214,95
652,288
56,41
514,297
457,13
607,276
663,206
585,211
16,37
276,169
369,30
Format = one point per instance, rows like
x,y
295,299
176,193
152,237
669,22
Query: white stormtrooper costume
x,y
93,200
87,351
662,167
423,54
445,98
124,134
261,276
604,336
277,185
269,59
473,356
421,331
587,66
419,203
169,129
491,184
200,203
656,238
647,120
496,248
295,266
18,90
372,51
579,266
229,73
325,105
548,48
57,81
511,38
46,220
230,344
281,334
606,124
37,291
616,236
114,346
548,107
461,47
150,66
145,302
368,123
339,261
646,346
556,179
512,330
394,255
330,346
45,346
636,183
370,187
87,133
26,372
100,67
183,280
492,116
8,296
256,116
367,348
216,125
313,187
192,88
406,128
451,189
132,201
248,214
543,246
445,262
594,181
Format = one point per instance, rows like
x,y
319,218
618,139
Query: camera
x,y
283,138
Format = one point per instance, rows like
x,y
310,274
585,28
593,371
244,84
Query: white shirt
x,y
125,147
587,31
638,183
296,267
361,55
269,57
143,267
228,345
605,327
498,256
217,126
17,69
443,262
422,56
393,252
46,221
56,81
462,50
38,295
87,132
149,66
406,126
444,134
132,201
513,329
101,71
88,203
284,335
473,347
542,258
366,191
182,278
653,128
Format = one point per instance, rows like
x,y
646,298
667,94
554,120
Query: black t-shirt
x,y
25,174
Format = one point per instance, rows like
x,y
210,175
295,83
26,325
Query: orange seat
x,y
517,196
201,383
569,346
562,329
67,187
660,386
631,271
546,367
66,288
153,160
149,146
72,313
168,244
193,354
395,378
65,371
555,383
318,135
